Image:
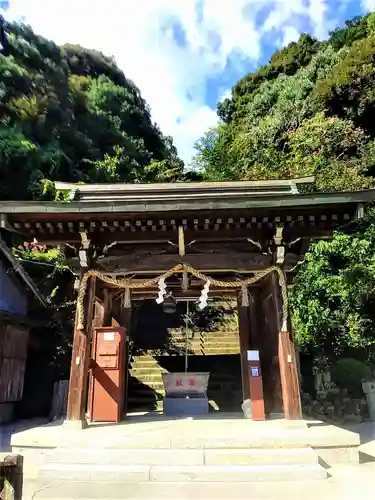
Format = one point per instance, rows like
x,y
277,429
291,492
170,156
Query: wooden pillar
x,y
289,374
254,310
78,381
252,384
126,322
243,324
107,308
289,377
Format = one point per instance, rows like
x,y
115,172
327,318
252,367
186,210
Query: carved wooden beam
x,y
128,264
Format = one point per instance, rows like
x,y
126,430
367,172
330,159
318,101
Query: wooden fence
x,y
59,400
13,355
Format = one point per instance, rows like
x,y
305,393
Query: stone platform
x,y
155,448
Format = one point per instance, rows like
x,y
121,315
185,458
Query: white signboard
x,y
109,336
253,355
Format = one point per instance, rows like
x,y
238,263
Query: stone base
x,y
185,407
75,424
209,439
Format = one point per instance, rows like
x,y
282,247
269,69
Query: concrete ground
x,y
7,430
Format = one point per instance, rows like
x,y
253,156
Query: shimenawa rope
x,y
128,284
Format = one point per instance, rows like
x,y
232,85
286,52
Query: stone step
x,y
146,396
145,376
181,473
170,352
237,434
207,345
114,490
197,351
140,361
227,331
153,457
206,339
147,371
143,399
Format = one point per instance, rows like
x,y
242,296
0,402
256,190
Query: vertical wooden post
x,y
107,308
78,381
254,308
289,377
126,322
252,384
290,386
243,325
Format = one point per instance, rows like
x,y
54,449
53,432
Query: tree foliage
x,y
333,299
69,114
308,112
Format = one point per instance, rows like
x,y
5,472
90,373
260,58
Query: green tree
x,y
69,113
309,112
334,295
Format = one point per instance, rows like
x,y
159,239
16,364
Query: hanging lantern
x,y
169,304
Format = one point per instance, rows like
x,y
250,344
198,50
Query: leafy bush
x,y
348,373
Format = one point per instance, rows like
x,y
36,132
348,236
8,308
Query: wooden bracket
x,y
85,241
279,234
83,253
83,258
280,255
360,211
4,223
255,243
181,242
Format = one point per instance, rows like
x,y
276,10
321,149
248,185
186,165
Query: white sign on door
x,y
253,355
109,336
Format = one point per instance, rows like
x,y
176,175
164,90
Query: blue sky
x,y
185,55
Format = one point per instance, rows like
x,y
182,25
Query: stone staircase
x,y
146,390
208,343
151,459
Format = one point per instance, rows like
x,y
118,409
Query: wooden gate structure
x,y
227,231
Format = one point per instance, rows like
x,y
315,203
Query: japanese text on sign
x,y
180,383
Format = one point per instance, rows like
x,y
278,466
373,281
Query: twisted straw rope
x,y
129,284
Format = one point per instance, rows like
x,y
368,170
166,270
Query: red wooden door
x,y
108,374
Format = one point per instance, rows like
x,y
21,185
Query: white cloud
x,y
225,94
368,5
172,77
290,34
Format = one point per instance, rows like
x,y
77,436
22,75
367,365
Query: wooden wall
x,y
13,355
